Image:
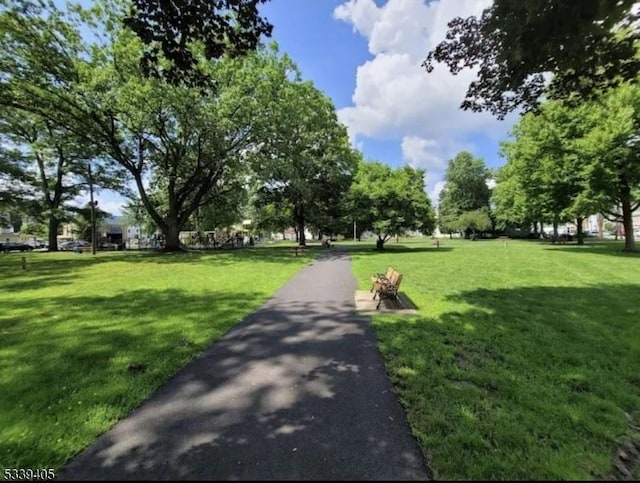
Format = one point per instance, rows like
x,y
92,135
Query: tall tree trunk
x,y
555,229
380,243
92,205
627,221
299,217
302,240
172,236
579,233
54,223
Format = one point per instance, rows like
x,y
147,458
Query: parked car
x,y
69,246
15,247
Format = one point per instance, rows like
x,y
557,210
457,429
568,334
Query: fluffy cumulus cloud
x,y
418,152
431,155
395,97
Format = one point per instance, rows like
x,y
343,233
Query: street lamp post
x,y
94,242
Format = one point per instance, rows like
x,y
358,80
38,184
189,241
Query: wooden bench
x,y
381,277
388,289
297,249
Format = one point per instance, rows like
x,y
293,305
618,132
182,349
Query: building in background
x,y
5,224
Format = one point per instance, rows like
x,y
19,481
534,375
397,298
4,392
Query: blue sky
x,y
366,55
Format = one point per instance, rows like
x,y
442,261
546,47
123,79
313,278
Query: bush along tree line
x,y
202,136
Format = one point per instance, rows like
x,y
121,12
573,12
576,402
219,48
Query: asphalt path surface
x,y
296,391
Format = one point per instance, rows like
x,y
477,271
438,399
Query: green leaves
x,y
589,47
390,201
304,160
466,190
176,34
570,162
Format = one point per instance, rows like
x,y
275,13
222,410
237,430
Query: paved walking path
x,y
297,391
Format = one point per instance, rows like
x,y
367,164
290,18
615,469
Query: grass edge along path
x,y
84,340
524,361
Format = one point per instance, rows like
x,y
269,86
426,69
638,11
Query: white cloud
x,y
395,98
433,156
418,152
434,194
363,14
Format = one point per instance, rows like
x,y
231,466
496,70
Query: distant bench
x,y
298,249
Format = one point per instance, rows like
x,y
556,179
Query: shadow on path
x,y
297,391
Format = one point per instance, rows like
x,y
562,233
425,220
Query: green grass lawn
x,y
83,340
524,362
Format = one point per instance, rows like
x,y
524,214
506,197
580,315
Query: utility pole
x,y
94,242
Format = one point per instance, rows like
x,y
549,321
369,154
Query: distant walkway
x,y
297,391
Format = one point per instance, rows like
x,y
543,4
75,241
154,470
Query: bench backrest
x,y
389,273
393,278
396,284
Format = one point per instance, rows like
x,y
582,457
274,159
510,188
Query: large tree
x,y
567,163
587,46
612,146
390,201
190,142
50,168
542,180
465,190
305,157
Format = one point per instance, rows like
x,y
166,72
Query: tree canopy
x,y
465,190
567,163
587,46
183,147
305,158
389,201
175,33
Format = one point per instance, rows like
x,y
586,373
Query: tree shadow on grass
x,y
611,248
99,355
390,249
47,269
296,391
518,380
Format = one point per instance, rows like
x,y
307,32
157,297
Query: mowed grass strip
x,y
524,362
84,340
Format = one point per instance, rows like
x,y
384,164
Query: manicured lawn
x,y
524,362
84,340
